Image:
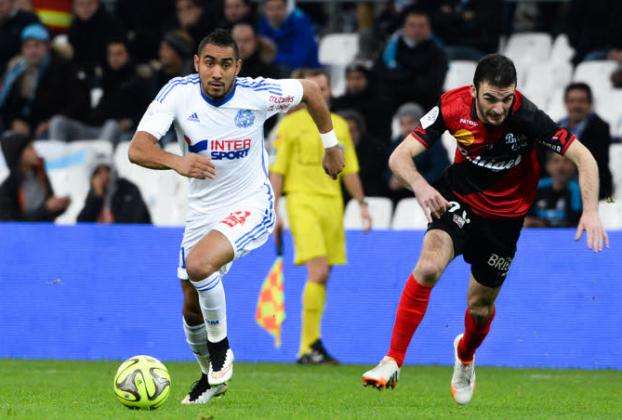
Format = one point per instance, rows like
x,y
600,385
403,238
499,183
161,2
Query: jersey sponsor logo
x,y
193,117
244,118
464,137
429,118
492,164
467,122
230,149
236,218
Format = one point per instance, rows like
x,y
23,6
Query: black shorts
x,y
488,245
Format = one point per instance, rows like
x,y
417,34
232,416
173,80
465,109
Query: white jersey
x,y
228,130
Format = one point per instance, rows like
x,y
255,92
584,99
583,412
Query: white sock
x,y
213,306
196,337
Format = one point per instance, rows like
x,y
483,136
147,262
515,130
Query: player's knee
x,y
428,271
198,269
481,311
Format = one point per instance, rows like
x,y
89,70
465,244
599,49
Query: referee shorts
x,y
316,224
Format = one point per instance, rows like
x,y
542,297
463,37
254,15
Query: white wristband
x,y
329,139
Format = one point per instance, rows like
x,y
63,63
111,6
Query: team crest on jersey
x,y
244,118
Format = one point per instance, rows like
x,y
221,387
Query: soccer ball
x,y
142,382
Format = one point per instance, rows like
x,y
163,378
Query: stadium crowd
x,y
87,69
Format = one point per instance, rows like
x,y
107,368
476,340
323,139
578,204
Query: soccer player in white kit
x,y
218,119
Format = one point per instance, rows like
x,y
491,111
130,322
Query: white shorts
x,y
247,225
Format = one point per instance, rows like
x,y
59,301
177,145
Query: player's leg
x,y
196,337
312,350
490,251
437,252
203,265
477,320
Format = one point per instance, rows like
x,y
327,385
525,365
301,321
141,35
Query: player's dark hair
x,y
579,86
496,69
414,10
221,38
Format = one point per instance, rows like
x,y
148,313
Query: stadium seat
x,y
544,79
69,167
450,145
609,107
596,74
4,169
615,164
409,216
380,210
283,212
556,108
561,51
338,49
460,73
611,214
530,47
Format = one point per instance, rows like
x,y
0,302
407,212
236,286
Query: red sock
x,y
474,335
410,312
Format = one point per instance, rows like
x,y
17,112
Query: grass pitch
x,y
83,390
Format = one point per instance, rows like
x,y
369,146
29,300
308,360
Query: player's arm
x,y
402,164
145,151
588,182
333,161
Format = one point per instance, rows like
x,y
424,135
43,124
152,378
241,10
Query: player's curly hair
x,y
496,69
221,38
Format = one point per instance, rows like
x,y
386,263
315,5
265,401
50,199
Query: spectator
x,y
370,153
237,11
414,65
26,194
195,19
583,122
175,58
469,29
112,199
257,56
12,22
430,164
558,199
145,21
293,34
594,29
92,27
39,85
125,97
362,96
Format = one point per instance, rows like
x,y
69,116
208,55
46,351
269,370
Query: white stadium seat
x,y
615,164
283,212
338,49
544,79
556,108
611,214
609,107
561,51
526,49
69,167
449,142
460,73
380,210
596,74
409,215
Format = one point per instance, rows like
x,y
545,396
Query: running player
x,y
219,120
477,208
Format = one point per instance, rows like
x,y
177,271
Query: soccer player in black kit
x,y
478,207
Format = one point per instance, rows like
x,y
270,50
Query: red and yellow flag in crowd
x,y
270,312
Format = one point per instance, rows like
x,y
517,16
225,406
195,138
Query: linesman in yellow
x,y
314,209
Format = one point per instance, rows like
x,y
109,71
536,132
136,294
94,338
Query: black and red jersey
x,y
496,168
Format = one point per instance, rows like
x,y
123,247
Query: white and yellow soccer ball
x,y
142,382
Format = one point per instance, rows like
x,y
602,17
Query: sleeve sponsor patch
x,y
429,118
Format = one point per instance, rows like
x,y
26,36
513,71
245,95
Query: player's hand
x,y
365,217
333,161
430,200
596,236
57,204
197,166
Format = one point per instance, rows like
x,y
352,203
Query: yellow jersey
x,y
298,153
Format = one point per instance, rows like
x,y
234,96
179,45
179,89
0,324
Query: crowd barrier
x,y
109,292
